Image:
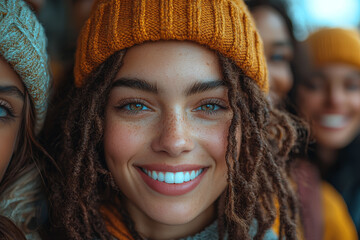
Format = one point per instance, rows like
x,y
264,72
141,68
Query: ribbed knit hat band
x,y
335,45
222,25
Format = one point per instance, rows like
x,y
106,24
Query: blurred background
x,y
63,19
308,15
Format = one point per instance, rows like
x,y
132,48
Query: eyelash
x,y
212,102
122,106
219,105
8,109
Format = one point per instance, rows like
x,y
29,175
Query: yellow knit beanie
x,y
335,45
222,25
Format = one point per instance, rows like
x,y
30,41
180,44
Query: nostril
x,y
174,143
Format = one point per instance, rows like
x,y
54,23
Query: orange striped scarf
x,y
114,224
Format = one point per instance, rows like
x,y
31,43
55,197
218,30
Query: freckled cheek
x,y
214,140
122,142
7,147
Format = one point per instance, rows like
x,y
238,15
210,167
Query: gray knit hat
x,y
23,46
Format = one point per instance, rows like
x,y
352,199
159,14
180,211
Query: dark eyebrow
x,y
135,83
199,87
12,90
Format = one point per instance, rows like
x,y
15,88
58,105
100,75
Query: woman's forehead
x,y
171,63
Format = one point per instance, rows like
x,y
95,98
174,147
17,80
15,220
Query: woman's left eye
x,y
209,108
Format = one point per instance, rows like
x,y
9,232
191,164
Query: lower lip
x,y
332,128
171,189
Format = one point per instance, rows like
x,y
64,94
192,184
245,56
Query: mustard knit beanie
x,y
335,45
23,46
222,25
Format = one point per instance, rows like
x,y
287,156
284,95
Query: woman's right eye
x,y
314,84
132,107
278,58
135,107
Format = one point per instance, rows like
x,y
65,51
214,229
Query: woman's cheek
x,y
308,101
7,147
214,139
122,141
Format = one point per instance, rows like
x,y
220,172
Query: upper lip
x,y
170,168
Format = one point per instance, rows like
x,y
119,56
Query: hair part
x,y
256,172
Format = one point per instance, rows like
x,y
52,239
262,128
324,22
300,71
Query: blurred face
x,y
278,50
167,122
11,105
331,101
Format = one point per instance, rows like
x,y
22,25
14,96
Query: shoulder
x,y
24,203
337,219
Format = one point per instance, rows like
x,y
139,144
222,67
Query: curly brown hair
x,y
256,172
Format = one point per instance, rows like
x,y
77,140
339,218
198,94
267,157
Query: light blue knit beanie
x,y
23,46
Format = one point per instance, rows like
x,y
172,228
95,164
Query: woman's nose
x,y
335,97
174,135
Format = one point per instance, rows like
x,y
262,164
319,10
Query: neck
x,y
151,229
327,156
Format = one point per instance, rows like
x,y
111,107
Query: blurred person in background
x,y
24,88
328,95
276,31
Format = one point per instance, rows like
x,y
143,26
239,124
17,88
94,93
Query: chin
x,y
336,142
175,214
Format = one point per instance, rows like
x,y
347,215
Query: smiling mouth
x,y
173,177
335,121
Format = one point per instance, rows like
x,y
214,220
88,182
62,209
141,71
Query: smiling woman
x,y
169,134
329,97
177,130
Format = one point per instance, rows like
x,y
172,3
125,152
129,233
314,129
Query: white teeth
x,y
192,175
169,177
333,121
161,177
187,177
179,177
173,177
154,175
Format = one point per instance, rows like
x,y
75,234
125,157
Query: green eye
x,y
208,107
135,107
